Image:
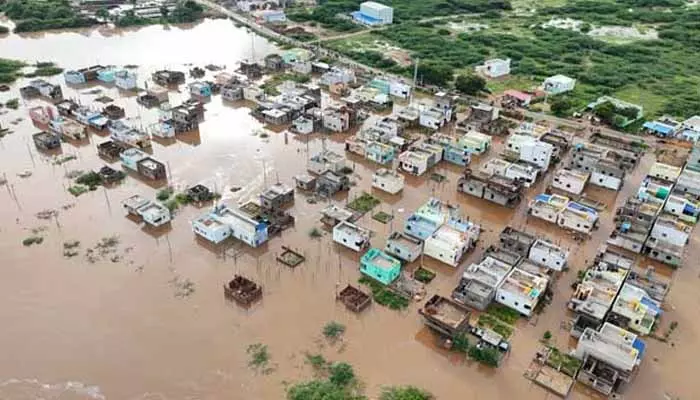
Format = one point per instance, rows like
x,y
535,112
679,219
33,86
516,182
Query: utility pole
x,y
415,78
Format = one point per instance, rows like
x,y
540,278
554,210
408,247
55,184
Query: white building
x,y
671,230
547,207
325,161
531,150
131,157
337,75
431,118
578,218
665,172
154,214
572,181
608,175
303,125
494,68
210,228
495,166
637,307
451,241
544,253
387,180
372,13
558,84
125,79
252,93
404,246
213,226
414,162
336,120
521,290
351,236
524,172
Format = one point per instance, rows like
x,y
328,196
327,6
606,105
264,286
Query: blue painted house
x,y
380,153
427,219
380,266
200,89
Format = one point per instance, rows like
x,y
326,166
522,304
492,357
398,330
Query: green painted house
x,y
380,266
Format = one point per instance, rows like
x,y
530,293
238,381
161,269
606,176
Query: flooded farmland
x,y
115,322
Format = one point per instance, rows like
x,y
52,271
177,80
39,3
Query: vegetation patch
x,y
38,15
490,322
382,217
10,69
315,233
364,203
503,313
77,190
12,104
384,295
32,240
333,331
259,358
487,355
424,275
563,362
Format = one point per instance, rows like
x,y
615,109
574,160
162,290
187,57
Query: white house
x,y
431,118
684,208
372,13
521,290
524,172
210,228
387,180
531,150
133,203
665,172
451,241
571,181
223,222
324,161
125,79
303,125
558,84
252,93
578,217
637,307
494,68
154,214
475,142
607,174
336,120
404,246
131,157
544,253
351,236
547,207
337,75
414,162
670,229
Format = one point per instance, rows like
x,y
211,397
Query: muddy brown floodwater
x,y
122,327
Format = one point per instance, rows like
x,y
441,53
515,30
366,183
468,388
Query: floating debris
x,y
183,287
70,248
74,173
25,174
236,189
104,99
47,214
106,247
62,159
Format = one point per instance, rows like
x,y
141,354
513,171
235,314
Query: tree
x,y
341,374
102,13
404,393
164,11
470,84
560,106
319,389
460,343
436,73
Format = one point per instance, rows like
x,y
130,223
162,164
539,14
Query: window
x,y
503,297
668,258
516,303
527,307
544,260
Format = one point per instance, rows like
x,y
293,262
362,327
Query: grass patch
x,y
12,104
383,295
259,358
333,331
364,203
382,217
77,190
315,233
503,313
512,82
90,179
164,194
424,275
563,362
490,322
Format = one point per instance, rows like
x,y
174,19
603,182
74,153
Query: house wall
x,y
440,251
518,303
385,276
666,258
420,230
574,222
513,173
414,166
606,181
351,240
550,259
216,235
626,243
568,184
669,234
457,156
472,187
496,197
404,253
546,214
387,184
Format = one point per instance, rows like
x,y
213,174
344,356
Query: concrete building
x,y
83,75
40,87
351,236
336,120
46,140
326,160
475,142
380,266
547,207
223,222
548,255
151,168
450,242
522,290
529,149
402,246
686,209
558,84
303,125
428,218
635,310
670,229
414,162
577,217
330,183
516,241
431,118
633,223
332,215
126,79
688,183
200,89
668,173
608,175
480,282
494,68
130,158
154,214
611,358
388,181
232,91
521,171
372,13
571,181
276,196
494,188
380,153
337,75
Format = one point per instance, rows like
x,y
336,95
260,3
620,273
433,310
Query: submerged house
x,y
475,142
516,241
577,217
404,246
276,196
82,75
450,242
380,266
414,162
494,188
167,78
223,222
351,236
611,358
633,222
479,283
428,218
330,183
529,149
151,168
326,160
635,310
388,181
125,79
548,255
333,215
46,140
379,152
130,158
522,290
453,150
571,181
40,87
152,213
547,207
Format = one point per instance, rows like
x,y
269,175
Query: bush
x,y
404,393
470,84
487,355
547,335
341,374
333,330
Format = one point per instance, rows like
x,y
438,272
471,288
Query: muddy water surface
x,y
119,328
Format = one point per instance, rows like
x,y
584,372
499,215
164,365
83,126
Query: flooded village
x,y
180,194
